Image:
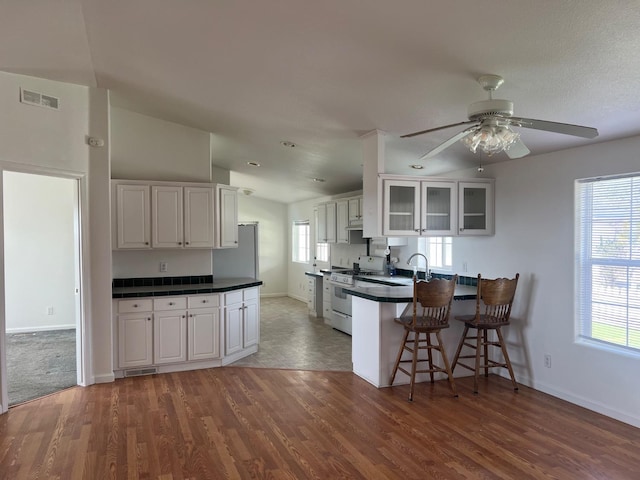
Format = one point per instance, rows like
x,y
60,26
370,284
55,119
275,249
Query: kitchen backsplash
x,y
146,263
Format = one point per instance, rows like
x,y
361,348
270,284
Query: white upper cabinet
x,y
342,221
227,217
326,226
167,229
133,216
439,208
170,215
475,216
401,210
198,217
436,207
355,212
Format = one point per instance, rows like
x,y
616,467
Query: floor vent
x,y
142,371
39,99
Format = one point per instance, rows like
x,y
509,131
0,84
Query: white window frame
x,y
439,251
607,267
300,241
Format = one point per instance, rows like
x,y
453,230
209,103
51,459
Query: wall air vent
x,y
142,371
39,99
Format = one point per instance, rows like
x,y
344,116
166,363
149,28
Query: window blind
x,y
608,260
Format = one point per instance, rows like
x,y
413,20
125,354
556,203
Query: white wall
x,y
33,138
39,247
273,237
146,148
535,237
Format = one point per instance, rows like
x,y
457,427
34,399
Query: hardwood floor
x,y
241,423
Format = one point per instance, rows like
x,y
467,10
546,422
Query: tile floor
x,y
290,338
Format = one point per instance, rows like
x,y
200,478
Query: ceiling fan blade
x,y
517,150
564,128
447,143
415,134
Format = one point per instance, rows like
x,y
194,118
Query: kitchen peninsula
x,y
376,338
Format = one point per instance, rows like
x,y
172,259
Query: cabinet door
x,y
167,210
331,222
439,207
355,211
204,333
233,328
342,221
135,340
198,217
475,214
321,223
133,217
169,337
401,208
251,320
228,217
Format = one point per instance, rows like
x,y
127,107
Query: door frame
x,y
82,299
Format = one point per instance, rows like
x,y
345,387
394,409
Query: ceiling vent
x,y
39,99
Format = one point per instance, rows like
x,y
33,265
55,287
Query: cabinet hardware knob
x,y
146,243
417,230
179,243
235,241
135,305
171,303
148,319
204,301
183,316
186,243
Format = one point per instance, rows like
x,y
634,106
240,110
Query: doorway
x,y
41,284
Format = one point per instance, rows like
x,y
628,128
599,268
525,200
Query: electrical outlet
x,y
163,266
49,310
547,360
464,267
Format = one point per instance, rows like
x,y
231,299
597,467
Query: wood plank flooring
x,y
242,423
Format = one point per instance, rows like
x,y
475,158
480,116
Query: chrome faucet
x,y
427,275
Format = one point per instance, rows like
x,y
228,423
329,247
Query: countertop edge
x,y
189,289
400,296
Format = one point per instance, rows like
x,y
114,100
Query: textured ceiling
x,y
320,74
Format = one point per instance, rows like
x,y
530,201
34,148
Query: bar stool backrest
x,y
432,301
497,297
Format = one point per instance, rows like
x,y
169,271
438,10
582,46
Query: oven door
x,y
340,301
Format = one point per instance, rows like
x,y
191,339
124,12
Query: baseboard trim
x,y
46,328
104,378
270,295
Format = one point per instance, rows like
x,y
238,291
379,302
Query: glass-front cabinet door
x,y
475,215
401,210
439,207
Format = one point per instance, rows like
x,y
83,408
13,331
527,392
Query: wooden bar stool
x,y
431,307
494,298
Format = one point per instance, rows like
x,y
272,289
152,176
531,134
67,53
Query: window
x,y
608,260
322,252
300,241
439,251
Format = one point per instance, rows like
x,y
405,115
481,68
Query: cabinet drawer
x,y
251,294
170,303
132,306
202,301
233,297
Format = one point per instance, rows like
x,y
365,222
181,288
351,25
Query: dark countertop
x,y
315,274
217,286
402,294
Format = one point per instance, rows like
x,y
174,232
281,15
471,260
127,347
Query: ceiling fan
x,y
490,126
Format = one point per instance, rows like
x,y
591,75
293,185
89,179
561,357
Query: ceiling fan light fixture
x,y
490,139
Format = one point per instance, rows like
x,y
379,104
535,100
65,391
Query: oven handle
x,y
340,314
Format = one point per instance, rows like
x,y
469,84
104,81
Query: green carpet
x,y
40,363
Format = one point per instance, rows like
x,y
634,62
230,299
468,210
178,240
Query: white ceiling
x,y
322,73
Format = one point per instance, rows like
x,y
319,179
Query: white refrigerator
x,y
241,261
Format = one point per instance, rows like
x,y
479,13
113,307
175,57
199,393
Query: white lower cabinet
x,y
168,330
241,323
135,346
172,332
